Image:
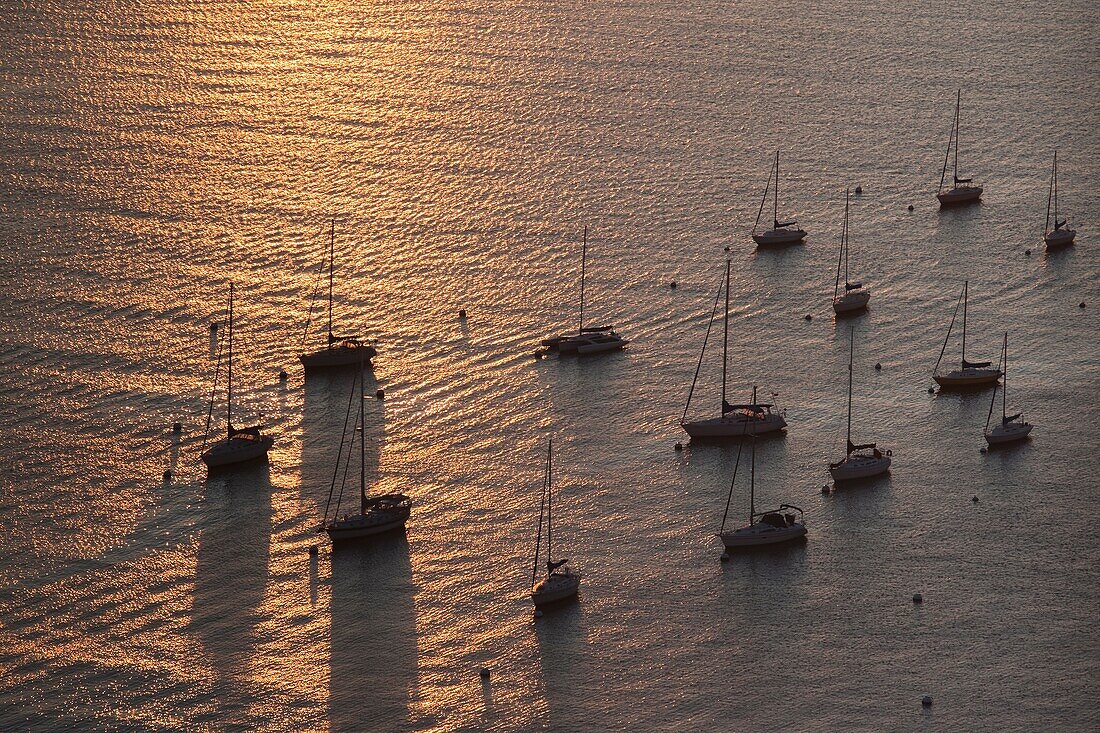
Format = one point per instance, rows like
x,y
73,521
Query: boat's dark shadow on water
x,y
373,649
566,665
231,569
882,480
776,436
325,400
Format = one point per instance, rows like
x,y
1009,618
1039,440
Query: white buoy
x,y
918,598
926,701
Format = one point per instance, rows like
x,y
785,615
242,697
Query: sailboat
x,y
770,527
860,461
377,514
560,581
781,232
855,297
1012,428
733,420
969,373
963,191
240,444
590,339
338,350
1060,235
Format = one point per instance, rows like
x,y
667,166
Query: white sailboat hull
x,y
967,378
859,466
600,346
756,535
776,237
357,526
851,302
556,587
230,451
734,426
338,356
959,196
1059,238
1008,433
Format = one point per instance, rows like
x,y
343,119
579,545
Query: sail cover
x,y
781,224
552,566
853,286
852,447
962,180
975,364
1011,418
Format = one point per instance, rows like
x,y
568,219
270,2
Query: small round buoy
x,y
282,375
168,475
538,614
484,673
878,366
910,207
537,353
380,394
982,450
214,326
672,284
727,248
1027,252
176,427
931,390
926,701
825,489
859,190
725,557
809,317
974,499
678,447
462,314
1082,304
313,550
918,598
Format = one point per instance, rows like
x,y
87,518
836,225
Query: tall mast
x,y
752,479
1004,373
1055,188
1050,194
966,287
584,258
725,339
229,398
549,505
775,208
844,240
958,101
362,443
331,267
538,536
851,358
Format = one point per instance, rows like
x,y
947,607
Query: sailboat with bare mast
x,y
240,444
781,233
338,350
860,461
560,581
969,373
1012,428
1061,235
964,191
855,296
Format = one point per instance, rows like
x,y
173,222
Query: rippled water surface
x,y
152,152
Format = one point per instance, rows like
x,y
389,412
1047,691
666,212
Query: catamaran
x,y
855,296
560,581
1011,428
377,514
969,373
590,339
1061,235
240,444
733,420
787,232
338,350
770,527
964,190
861,461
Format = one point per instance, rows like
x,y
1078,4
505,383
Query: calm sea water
x,y
154,152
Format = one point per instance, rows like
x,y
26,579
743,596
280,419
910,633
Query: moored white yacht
x,y
377,514
964,190
860,461
774,526
781,233
1011,428
590,339
560,581
338,350
970,373
733,421
855,296
1061,235
240,444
